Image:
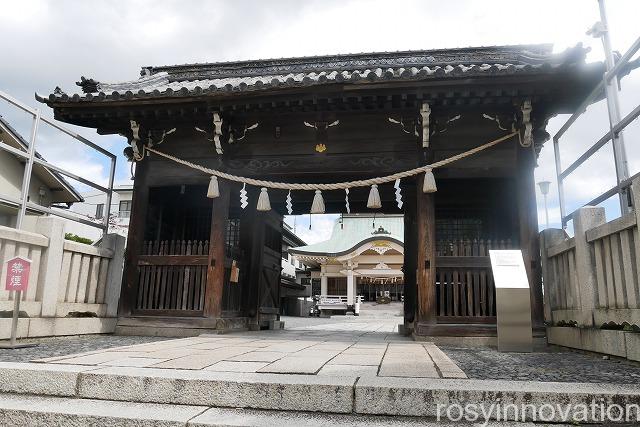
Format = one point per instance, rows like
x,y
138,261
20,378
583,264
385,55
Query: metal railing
x,y
616,126
31,158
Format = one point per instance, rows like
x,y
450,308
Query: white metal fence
x,y
30,159
608,85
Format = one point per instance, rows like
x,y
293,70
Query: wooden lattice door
x,y
263,283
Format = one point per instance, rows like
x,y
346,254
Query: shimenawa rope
x,y
338,185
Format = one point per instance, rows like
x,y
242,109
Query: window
x,y
100,211
125,209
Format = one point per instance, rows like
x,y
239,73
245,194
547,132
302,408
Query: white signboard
x,y
508,269
513,301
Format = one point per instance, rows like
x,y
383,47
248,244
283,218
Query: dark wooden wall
x,y
496,183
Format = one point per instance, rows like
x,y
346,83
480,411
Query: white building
x,y
293,292
364,256
93,208
46,188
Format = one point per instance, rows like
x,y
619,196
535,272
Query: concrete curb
x,y
23,410
221,389
425,397
326,394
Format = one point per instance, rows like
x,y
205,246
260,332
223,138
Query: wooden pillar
x,y
135,239
426,268
410,252
215,270
528,229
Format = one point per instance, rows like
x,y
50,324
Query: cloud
x,y
49,44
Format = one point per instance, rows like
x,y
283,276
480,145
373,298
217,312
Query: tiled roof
x,y
353,231
213,79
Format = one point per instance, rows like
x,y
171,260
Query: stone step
x,y
26,410
422,397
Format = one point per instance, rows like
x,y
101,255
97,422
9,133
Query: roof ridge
x,y
543,48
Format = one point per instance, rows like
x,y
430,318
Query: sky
x,y
44,44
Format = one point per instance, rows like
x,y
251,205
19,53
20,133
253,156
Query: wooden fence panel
x,y
172,276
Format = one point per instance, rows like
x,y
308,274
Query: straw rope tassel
x,y
317,207
429,184
264,204
213,190
374,198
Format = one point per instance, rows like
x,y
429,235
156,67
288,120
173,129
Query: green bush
x,y
76,238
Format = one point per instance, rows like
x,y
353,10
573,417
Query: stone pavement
x,y
346,349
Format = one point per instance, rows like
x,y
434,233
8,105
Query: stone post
x,y
585,219
116,243
548,239
50,263
323,284
351,288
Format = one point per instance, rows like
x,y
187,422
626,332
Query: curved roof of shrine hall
x,y
353,231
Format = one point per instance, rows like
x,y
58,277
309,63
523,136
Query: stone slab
x,y
596,340
411,369
252,417
21,410
258,356
229,366
632,341
330,345
133,361
365,351
226,389
22,330
97,358
296,365
348,370
421,397
200,360
37,378
54,326
173,353
357,359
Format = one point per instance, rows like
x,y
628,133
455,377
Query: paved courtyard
x,y
350,346
346,349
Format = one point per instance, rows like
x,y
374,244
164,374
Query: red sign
x,y
18,274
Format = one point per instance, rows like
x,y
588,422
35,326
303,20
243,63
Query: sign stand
x,y
17,281
513,301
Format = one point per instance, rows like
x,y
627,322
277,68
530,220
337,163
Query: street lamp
x,y
544,189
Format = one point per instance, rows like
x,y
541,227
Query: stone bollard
x,y
585,219
116,243
50,262
548,239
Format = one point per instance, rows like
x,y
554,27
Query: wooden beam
x,y
135,239
426,268
528,229
410,251
173,260
215,271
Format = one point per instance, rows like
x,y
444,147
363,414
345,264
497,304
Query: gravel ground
x,y
554,364
61,346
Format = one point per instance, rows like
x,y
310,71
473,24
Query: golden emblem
x,y
321,148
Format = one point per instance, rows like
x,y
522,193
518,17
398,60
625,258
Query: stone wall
x,y
592,282
73,288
